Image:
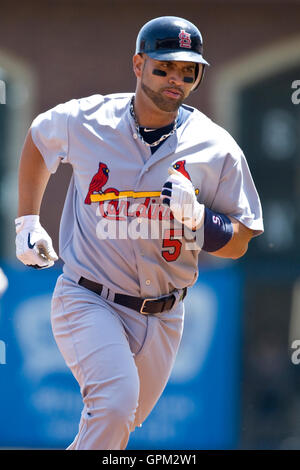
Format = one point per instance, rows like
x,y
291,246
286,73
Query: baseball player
x,y
154,182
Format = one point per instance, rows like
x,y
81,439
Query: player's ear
x,y
138,61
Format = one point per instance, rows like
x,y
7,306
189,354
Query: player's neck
x,y
149,115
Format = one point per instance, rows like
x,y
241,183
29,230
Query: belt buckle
x,y
144,302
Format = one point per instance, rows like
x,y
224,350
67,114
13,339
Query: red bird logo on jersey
x,y
98,181
180,166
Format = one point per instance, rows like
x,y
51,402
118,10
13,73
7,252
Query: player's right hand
x,y
33,244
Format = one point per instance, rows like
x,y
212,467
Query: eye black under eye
x,y
160,73
188,79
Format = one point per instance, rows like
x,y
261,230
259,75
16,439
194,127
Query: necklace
x,y
137,128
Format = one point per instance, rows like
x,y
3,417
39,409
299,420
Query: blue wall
x,y
40,403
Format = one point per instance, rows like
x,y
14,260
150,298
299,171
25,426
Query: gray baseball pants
x,y
121,359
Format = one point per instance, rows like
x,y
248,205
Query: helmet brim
x,y
180,56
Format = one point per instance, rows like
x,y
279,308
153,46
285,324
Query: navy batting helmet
x,y
172,38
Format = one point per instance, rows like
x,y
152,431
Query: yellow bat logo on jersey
x,y
110,195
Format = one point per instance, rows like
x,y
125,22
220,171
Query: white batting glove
x,y
33,244
179,194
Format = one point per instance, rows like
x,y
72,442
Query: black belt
x,y
156,305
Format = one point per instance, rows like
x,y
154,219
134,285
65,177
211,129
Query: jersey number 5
x,y
171,244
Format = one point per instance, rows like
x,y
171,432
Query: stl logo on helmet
x,y
185,39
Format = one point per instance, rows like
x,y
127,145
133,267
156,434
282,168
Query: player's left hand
x,y
179,194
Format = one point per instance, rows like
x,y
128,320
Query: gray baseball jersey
x,y
114,231
116,184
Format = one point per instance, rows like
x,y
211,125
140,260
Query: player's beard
x,y
160,101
